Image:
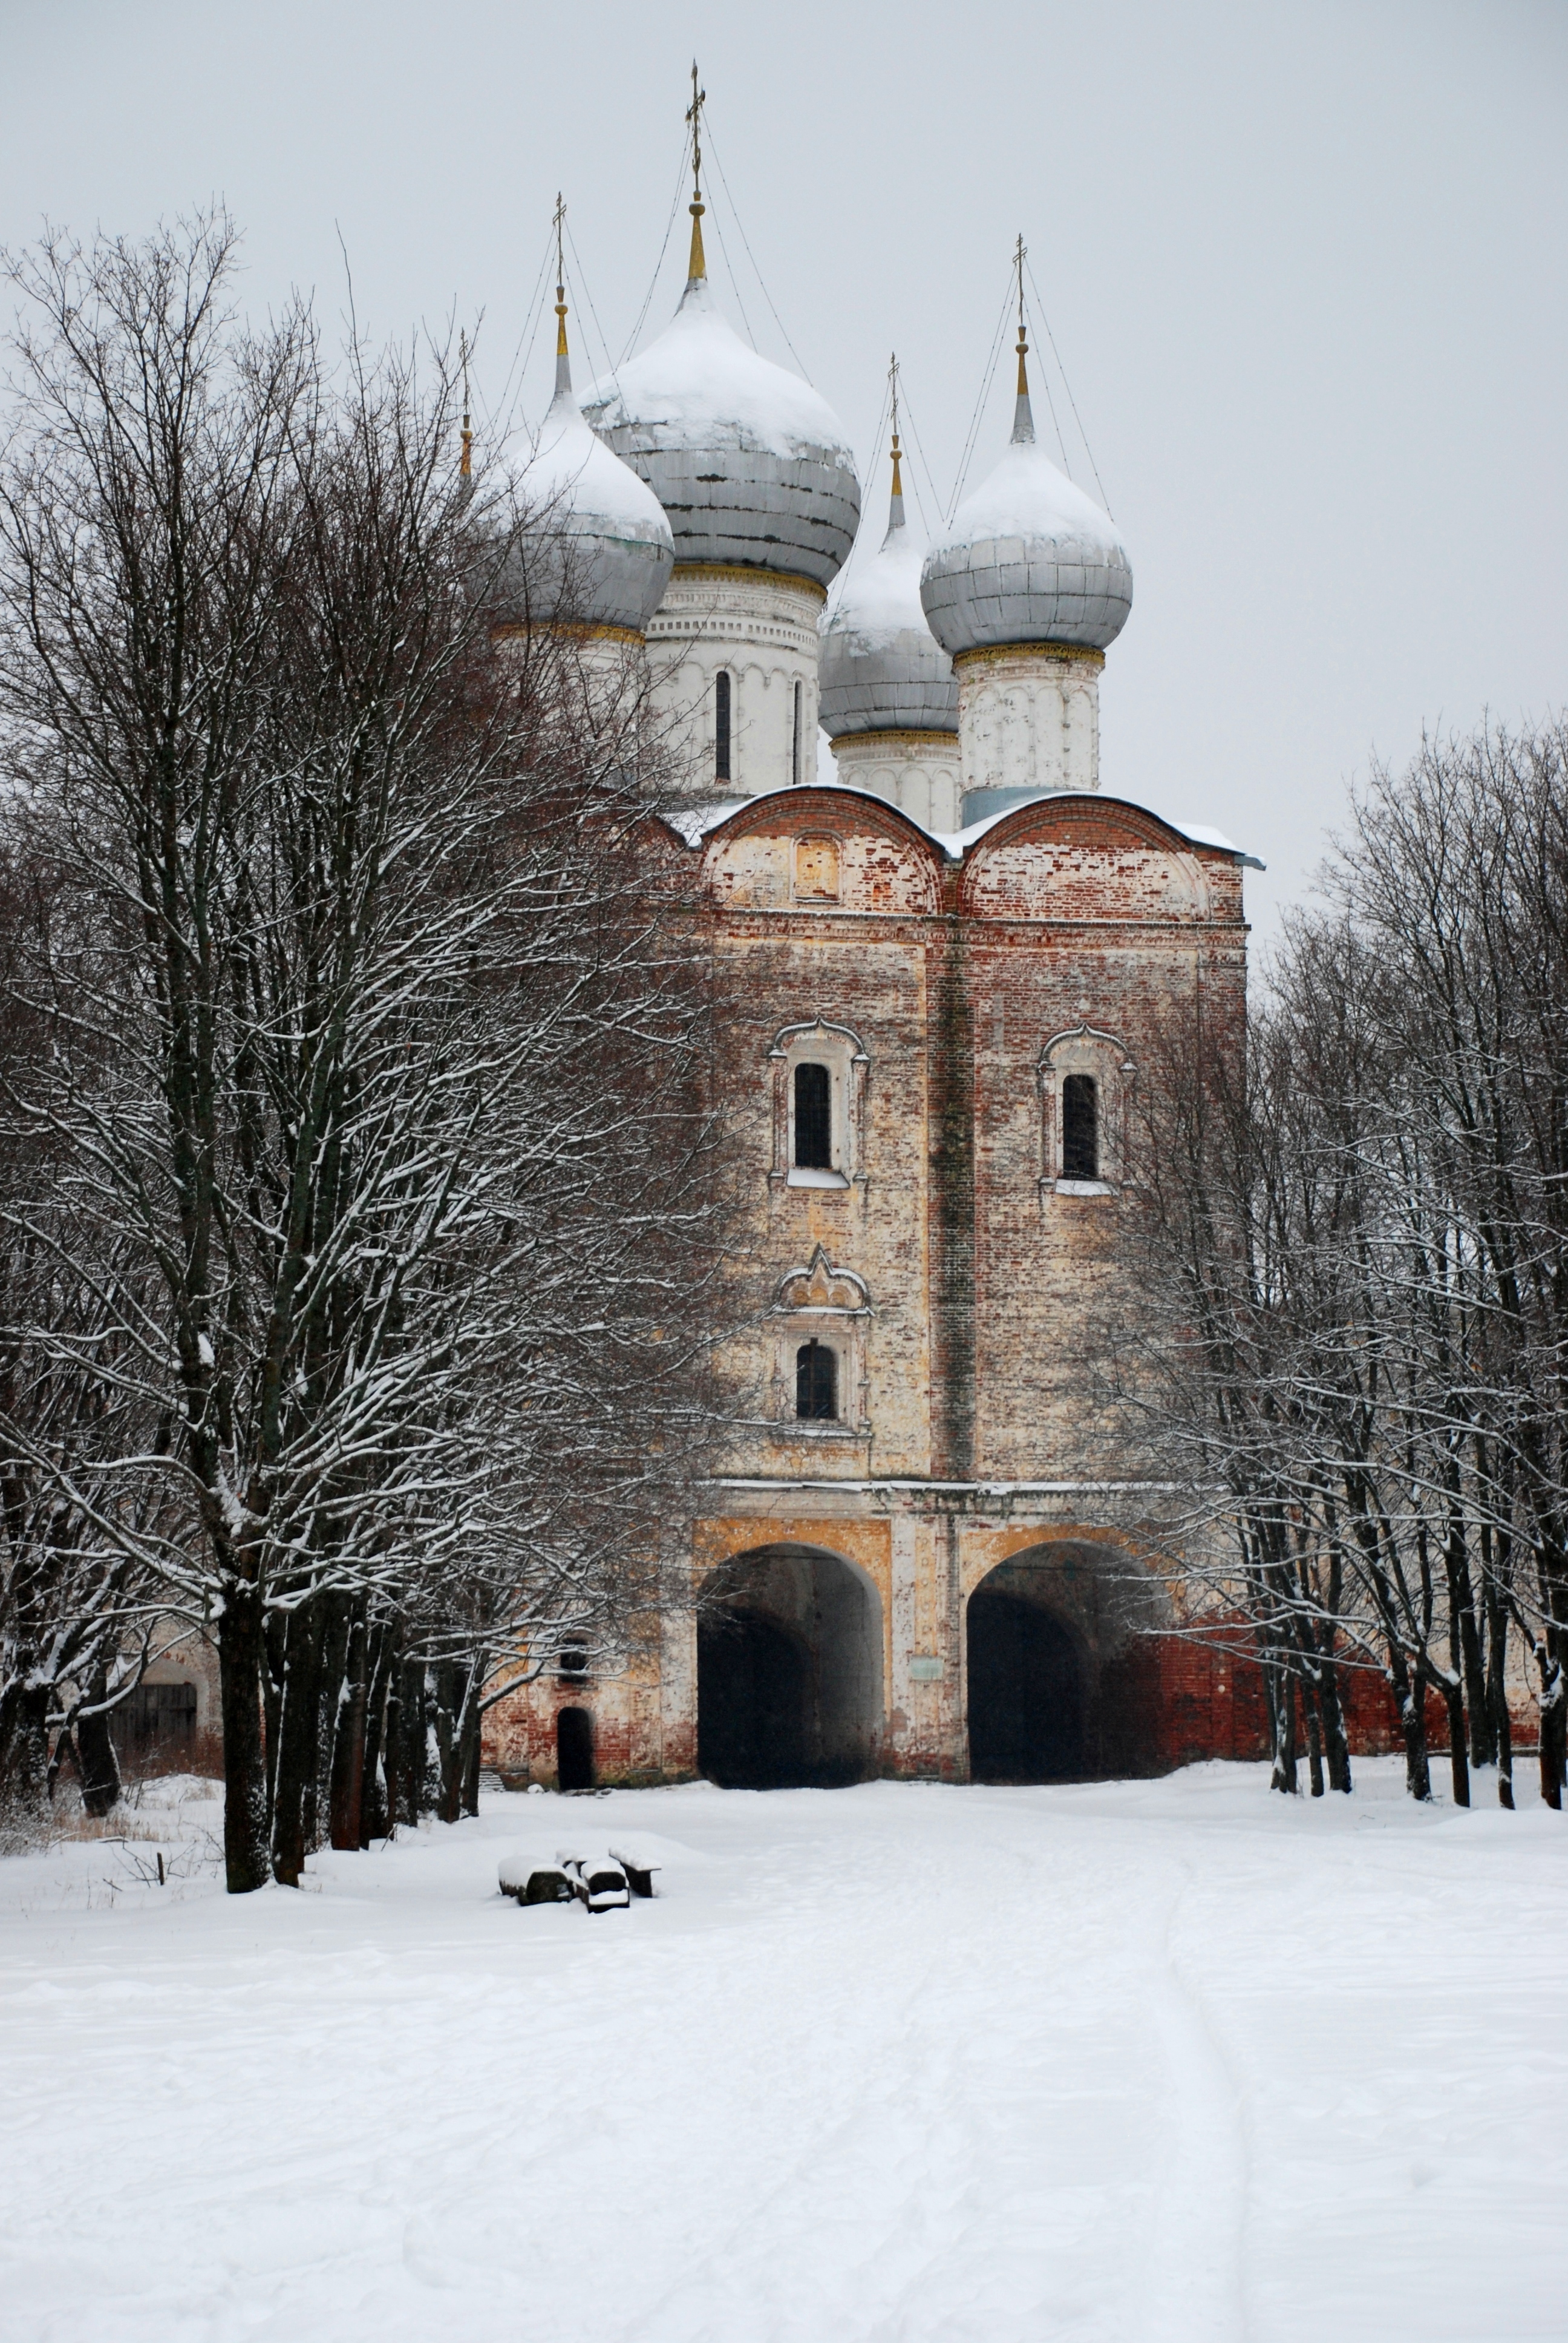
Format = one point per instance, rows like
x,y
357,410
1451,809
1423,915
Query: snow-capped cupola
x,y
751,465
602,551
881,667
1028,557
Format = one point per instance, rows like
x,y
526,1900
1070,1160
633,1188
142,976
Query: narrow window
x,y
1079,1129
816,1383
813,1119
721,725
795,742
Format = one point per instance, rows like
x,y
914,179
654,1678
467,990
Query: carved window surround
x,y
1085,1050
840,1049
831,1304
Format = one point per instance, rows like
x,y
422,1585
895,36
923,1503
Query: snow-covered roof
x,y
881,667
1027,558
615,552
695,823
751,463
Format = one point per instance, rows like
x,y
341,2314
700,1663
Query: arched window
x,y
794,741
816,1383
721,725
1080,1128
813,1118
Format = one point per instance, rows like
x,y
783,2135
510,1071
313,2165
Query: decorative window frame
x,y
833,1305
1085,1048
841,1051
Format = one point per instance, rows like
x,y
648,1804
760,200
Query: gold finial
x,y
1020,257
465,464
893,378
561,281
698,265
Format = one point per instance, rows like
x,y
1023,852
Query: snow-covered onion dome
x,y
603,552
1028,558
751,465
883,669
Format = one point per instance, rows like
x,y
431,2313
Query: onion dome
x,y
883,669
1028,557
601,553
751,465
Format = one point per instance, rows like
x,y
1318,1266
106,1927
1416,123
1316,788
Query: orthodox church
x,y
920,1551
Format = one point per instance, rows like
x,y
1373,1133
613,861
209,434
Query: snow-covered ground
x,y
1141,2060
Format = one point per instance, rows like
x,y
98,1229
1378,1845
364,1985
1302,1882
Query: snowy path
x,y
1168,2062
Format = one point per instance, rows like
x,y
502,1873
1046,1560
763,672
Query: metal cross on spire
x,y
563,364
466,463
1022,415
893,391
697,268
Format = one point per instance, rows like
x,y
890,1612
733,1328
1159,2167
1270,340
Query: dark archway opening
x,y
1026,1705
788,1673
753,1687
573,1749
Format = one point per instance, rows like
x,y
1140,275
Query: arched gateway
x,y
1061,1684
788,1671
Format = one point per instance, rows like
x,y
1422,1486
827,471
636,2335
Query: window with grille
x,y
156,1713
721,725
816,1383
813,1118
1080,1128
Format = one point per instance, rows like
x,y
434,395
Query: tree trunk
x,y
239,1659
348,1743
377,1799
1412,1726
332,1652
1280,1688
1334,1733
96,1757
1454,1700
1497,1694
295,1768
1314,1742
1553,1720
411,1742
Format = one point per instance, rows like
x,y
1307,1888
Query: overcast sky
x,y
1304,265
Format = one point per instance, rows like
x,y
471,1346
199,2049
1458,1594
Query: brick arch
x,y
1084,858
886,861
1110,1606
798,1629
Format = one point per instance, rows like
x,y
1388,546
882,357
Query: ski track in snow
x,y
1169,2062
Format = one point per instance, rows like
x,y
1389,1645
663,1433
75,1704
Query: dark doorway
x,y
573,1749
1025,1692
753,1688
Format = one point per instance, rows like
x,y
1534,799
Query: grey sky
x,y
1305,267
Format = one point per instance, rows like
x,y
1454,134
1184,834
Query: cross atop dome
x,y
696,268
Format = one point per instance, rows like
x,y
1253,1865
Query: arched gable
x,y
821,850
1084,858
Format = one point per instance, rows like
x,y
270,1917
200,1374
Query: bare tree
x,y
364,1041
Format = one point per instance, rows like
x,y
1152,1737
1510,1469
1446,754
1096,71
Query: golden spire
x,y
1023,414
466,465
563,363
698,268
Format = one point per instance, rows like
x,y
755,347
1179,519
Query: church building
x,y
920,1551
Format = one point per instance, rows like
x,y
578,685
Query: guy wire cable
x,y
588,296
1072,402
930,476
658,263
734,281
989,378
751,257
501,408
877,442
